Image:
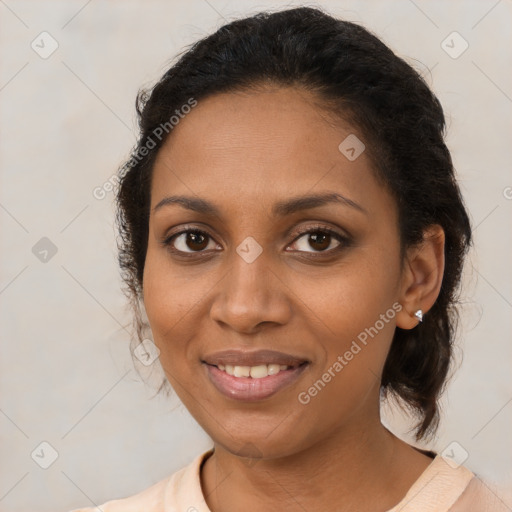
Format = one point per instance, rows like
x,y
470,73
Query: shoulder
x,y
446,486
480,496
167,494
149,500
437,488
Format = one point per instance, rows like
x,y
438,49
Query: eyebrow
x,y
280,209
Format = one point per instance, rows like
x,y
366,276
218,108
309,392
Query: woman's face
x,y
253,281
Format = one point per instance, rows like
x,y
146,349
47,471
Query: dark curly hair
x,y
354,76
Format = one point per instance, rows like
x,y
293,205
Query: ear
x,y
422,275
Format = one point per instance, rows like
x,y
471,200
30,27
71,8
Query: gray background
x,y
68,120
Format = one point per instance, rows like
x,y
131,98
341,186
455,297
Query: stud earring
x,y
419,315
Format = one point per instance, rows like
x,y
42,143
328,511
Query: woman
x,y
291,225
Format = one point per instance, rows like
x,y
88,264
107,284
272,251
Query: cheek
x,y
357,309
354,295
167,301
349,374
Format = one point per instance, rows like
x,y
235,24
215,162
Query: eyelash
x,y
343,239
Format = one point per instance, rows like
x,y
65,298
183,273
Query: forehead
x,y
254,146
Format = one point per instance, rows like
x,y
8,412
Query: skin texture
x,y
244,152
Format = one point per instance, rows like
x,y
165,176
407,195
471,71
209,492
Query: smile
x,y
255,372
253,383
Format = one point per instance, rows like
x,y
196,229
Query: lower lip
x,y
249,389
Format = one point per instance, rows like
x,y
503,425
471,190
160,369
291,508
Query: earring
x,y
419,315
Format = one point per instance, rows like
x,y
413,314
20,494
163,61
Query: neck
x,y
355,469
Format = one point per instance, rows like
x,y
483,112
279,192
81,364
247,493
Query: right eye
x,y
188,241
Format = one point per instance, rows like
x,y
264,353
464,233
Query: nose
x,y
251,295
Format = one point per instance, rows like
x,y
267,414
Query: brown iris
x,y
196,241
324,239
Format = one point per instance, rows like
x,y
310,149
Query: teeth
x,y
256,372
241,371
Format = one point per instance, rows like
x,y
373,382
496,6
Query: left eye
x,y
319,240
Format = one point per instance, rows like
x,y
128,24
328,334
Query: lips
x,y
245,386
243,358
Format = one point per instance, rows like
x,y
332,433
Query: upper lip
x,y
237,357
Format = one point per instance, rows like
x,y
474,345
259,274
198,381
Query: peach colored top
x,y
440,488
